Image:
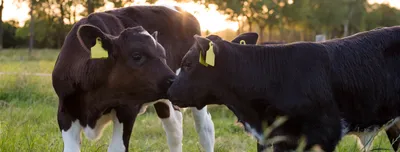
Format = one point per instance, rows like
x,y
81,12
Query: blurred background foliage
x,y
274,20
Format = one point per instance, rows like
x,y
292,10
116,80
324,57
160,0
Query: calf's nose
x,y
170,81
167,82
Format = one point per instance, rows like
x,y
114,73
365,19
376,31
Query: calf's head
x,y
135,65
198,84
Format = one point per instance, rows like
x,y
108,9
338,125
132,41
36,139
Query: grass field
x,y
28,107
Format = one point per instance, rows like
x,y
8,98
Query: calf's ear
x,y
214,38
202,42
89,35
207,50
249,38
155,35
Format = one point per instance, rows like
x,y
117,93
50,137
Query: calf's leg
x,y
71,132
125,119
324,131
172,123
205,128
72,137
117,143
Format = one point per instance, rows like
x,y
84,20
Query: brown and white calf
x,y
137,72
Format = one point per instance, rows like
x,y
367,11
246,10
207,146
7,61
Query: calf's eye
x,y
186,66
138,58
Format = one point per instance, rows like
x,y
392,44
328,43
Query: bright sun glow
x,y
394,3
18,12
210,19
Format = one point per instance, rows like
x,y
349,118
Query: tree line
x,y
275,20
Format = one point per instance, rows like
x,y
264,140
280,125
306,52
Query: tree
x,y
267,13
234,9
1,23
46,27
118,3
31,26
61,4
294,20
355,9
91,5
381,15
9,35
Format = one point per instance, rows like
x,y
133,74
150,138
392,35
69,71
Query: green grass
x,y
28,108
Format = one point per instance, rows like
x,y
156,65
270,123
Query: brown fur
x,y
89,88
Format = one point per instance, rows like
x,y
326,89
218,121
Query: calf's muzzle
x,y
166,83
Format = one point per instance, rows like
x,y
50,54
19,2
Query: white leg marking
x,y
117,142
205,128
144,107
72,137
173,128
96,132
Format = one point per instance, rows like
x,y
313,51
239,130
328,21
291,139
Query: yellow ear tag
x,y
202,61
243,42
97,51
210,56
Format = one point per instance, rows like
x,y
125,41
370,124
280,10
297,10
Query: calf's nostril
x,y
166,83
170,81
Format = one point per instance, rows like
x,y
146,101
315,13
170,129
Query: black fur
x,y
356,78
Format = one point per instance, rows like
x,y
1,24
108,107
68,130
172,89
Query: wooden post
x,y
31,29
1,25
320,38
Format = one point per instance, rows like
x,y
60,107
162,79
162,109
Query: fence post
x,y
320,38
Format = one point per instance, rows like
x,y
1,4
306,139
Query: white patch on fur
x,y
72,137
258,136
204,127
144,107
148,34
178,71
96,132
117,142
173,128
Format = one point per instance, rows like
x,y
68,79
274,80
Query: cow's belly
x,y
101,123
366,110
357,122
367,119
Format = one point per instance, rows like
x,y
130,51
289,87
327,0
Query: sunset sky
x,y
219,22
